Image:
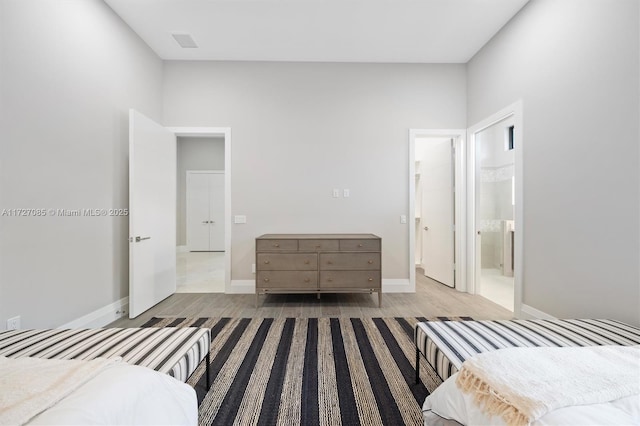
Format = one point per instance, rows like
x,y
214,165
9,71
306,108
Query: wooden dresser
x,y
318,263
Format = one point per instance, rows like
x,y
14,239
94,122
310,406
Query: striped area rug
x,y
309,371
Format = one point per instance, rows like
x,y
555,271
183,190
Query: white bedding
x,y
448,402
126,394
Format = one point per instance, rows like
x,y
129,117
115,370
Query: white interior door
x,y
205,211
197,211
437,212
152,213
216,212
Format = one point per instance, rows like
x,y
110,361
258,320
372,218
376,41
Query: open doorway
x,y
203,238
437,203
495,211
435,208
495,208
200,218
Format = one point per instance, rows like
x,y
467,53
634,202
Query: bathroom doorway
x,y
495,211
496,208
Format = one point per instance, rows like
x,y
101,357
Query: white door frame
x,y
225,132
459,136
514,110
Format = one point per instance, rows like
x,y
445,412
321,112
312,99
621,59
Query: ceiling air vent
x,y
185,40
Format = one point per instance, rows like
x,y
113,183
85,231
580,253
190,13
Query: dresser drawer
x,y
349,279
287,280
318,245
287,262
360,245
349,261
276,245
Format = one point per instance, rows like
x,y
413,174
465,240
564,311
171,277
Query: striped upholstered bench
x,y
447,344
174,351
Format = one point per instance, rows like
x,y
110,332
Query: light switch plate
x,y
346,193
336,193
403,218
240,219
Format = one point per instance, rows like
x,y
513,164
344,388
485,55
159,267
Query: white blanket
x,y
28,386
523,384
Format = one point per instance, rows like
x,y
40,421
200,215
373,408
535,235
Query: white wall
x,y
194,154
300,130
70,71
575,65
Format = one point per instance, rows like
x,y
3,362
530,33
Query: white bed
x,y
447,405
116,394
543,386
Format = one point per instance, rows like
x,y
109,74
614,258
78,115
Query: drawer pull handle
x,y
329,262
370,262
266,280
306,262
359,245
370,279
330,279
276,245
306,280
318,246
266,262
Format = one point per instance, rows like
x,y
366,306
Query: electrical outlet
x,y
13,323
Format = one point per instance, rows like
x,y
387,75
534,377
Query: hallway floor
x,y
200,272
431,299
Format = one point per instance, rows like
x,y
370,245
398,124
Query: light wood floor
x,y
431,299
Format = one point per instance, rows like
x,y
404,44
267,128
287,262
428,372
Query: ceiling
x,y
405,31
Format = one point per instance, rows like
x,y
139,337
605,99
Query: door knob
x,y
426,228
205,221
138,239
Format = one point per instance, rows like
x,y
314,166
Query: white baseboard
x,y
397,286
101,317
181,249
529,312
242,287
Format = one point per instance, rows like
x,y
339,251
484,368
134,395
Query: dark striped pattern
x,y
176,352
311,371
447,344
